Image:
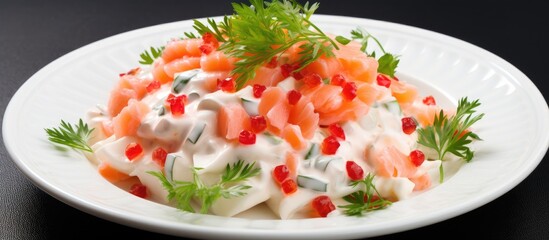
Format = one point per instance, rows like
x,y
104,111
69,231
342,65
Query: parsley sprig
x,y
148,57
452,134
75,137
256,33
363,201
227,187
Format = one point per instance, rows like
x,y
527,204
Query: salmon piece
x,y
421,182
181,65
180,48
326,67
369,93
303,114
128,120
403,92
277,117
111,174
327,98
217,61
119,99
292,134
424,114
390,162
231,120
349,110
210,79
158,72
106,127
356,63
139,85
270,97
266,76
292,161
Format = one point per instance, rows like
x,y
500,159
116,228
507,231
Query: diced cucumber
x,y
250,106
313,151
321,162
182,79
168,165
160,109
311,183
393,107
272,138
196,132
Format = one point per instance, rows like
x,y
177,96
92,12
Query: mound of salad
x,y
264,108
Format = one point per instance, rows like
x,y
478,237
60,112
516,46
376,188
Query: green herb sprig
x,y
366,200
75,137
228,186
452,135
148,57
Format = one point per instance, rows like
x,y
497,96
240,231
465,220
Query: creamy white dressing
x,y
211,153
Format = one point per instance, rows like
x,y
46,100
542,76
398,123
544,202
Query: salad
x,y
265,109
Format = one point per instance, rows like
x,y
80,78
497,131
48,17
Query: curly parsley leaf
x,y
75,137
366,200
452,134
148,56
228,186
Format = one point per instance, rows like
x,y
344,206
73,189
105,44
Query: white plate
x,y
514,131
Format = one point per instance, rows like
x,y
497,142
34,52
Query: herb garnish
x,y
227,187
147,58
74,137
452,134
364,200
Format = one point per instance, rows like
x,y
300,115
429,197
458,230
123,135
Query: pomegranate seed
x,y
383,80
246,137
258,90
323,205
338,80
408,125
258,123
227,84
374,198
312,80
177,104
133,150
280,173
336,130
330,145
159,156
349,91
288,186
354,171
429,100
206,48
287,70
153,86
417,157
273,63
139,190
209,38
293,97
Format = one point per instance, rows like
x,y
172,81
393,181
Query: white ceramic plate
x,y
514,131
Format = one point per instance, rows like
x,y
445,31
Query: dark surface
x,y
34,33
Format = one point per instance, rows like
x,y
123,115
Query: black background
x,y
34,33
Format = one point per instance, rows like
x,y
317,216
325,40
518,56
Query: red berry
x,y
280,173
286,70
258,90
246,137
153,86
336,130
349,91
133,150
209,38
417,157
293,97
258,123
322,205
159,156
288,186
338,80
227,84
408,125
273,63
383,80
206,48
354,171
177,104
330,145
429,100
139,190
312,80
